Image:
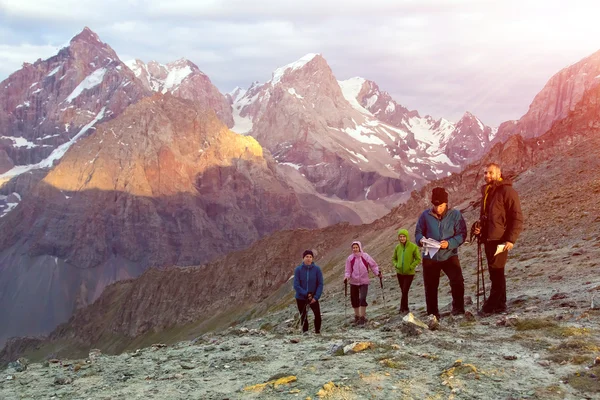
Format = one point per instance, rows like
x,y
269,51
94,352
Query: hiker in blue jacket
x,y
448,227
308,284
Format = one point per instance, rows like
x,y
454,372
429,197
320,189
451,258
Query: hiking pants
x,y
431,280
497,299
404,281
358,295
316,308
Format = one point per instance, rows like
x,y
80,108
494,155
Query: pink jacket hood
x,y
356,272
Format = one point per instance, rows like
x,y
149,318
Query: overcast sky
x,y
440,57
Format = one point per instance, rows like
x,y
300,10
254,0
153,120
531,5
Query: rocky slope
x,y
556,100
183,78
162,184
546,347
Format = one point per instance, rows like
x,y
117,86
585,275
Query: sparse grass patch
x,y
577,344
568,331
530,341
392,363
582,359
550,393
586,381
575,351
255,358
267,327
384,347
534,323
460,369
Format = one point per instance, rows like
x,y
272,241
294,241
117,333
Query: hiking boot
x,y
356,320
361,321
500,309
483,314
458,312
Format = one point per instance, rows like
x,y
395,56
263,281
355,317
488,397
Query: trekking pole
x,y
382,291
305,313
345,300
482,274
478,268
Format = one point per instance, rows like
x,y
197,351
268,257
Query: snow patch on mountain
x,y
54,71
175,77
350,89
242,125
20,142
92,80
280,72
364,135
56,154
293,92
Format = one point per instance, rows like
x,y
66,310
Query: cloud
x,y
437,56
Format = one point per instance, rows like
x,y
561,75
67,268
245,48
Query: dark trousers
x,y
404,281
302,308
431,280
358,295
497,299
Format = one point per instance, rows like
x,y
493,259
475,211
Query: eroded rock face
x,y
556,100
46,104
162,184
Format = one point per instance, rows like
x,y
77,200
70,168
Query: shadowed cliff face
x,y
163,184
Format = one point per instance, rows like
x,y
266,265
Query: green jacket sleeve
x,y
416,257
395,257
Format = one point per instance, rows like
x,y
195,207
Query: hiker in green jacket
x,y
406,258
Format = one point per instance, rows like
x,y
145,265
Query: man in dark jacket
x,y
308,284
501,222
448,227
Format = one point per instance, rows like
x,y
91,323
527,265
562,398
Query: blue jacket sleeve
x,y
460,232
297,287
420,230
319,290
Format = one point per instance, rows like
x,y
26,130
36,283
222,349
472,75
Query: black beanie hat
x,y
439,196
307,252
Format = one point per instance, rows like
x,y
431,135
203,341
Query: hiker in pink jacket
x,y
358,265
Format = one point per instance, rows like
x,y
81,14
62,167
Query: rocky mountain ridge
x,y
183,78
46,106
566,150
316,125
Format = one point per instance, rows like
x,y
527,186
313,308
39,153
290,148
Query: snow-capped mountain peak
x,y
281,71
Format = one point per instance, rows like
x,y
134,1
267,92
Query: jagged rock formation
x,y
184,79
45,106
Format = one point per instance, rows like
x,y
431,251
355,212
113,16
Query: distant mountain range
x,y
109,168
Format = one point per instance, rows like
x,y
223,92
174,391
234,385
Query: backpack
x,y
364,262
